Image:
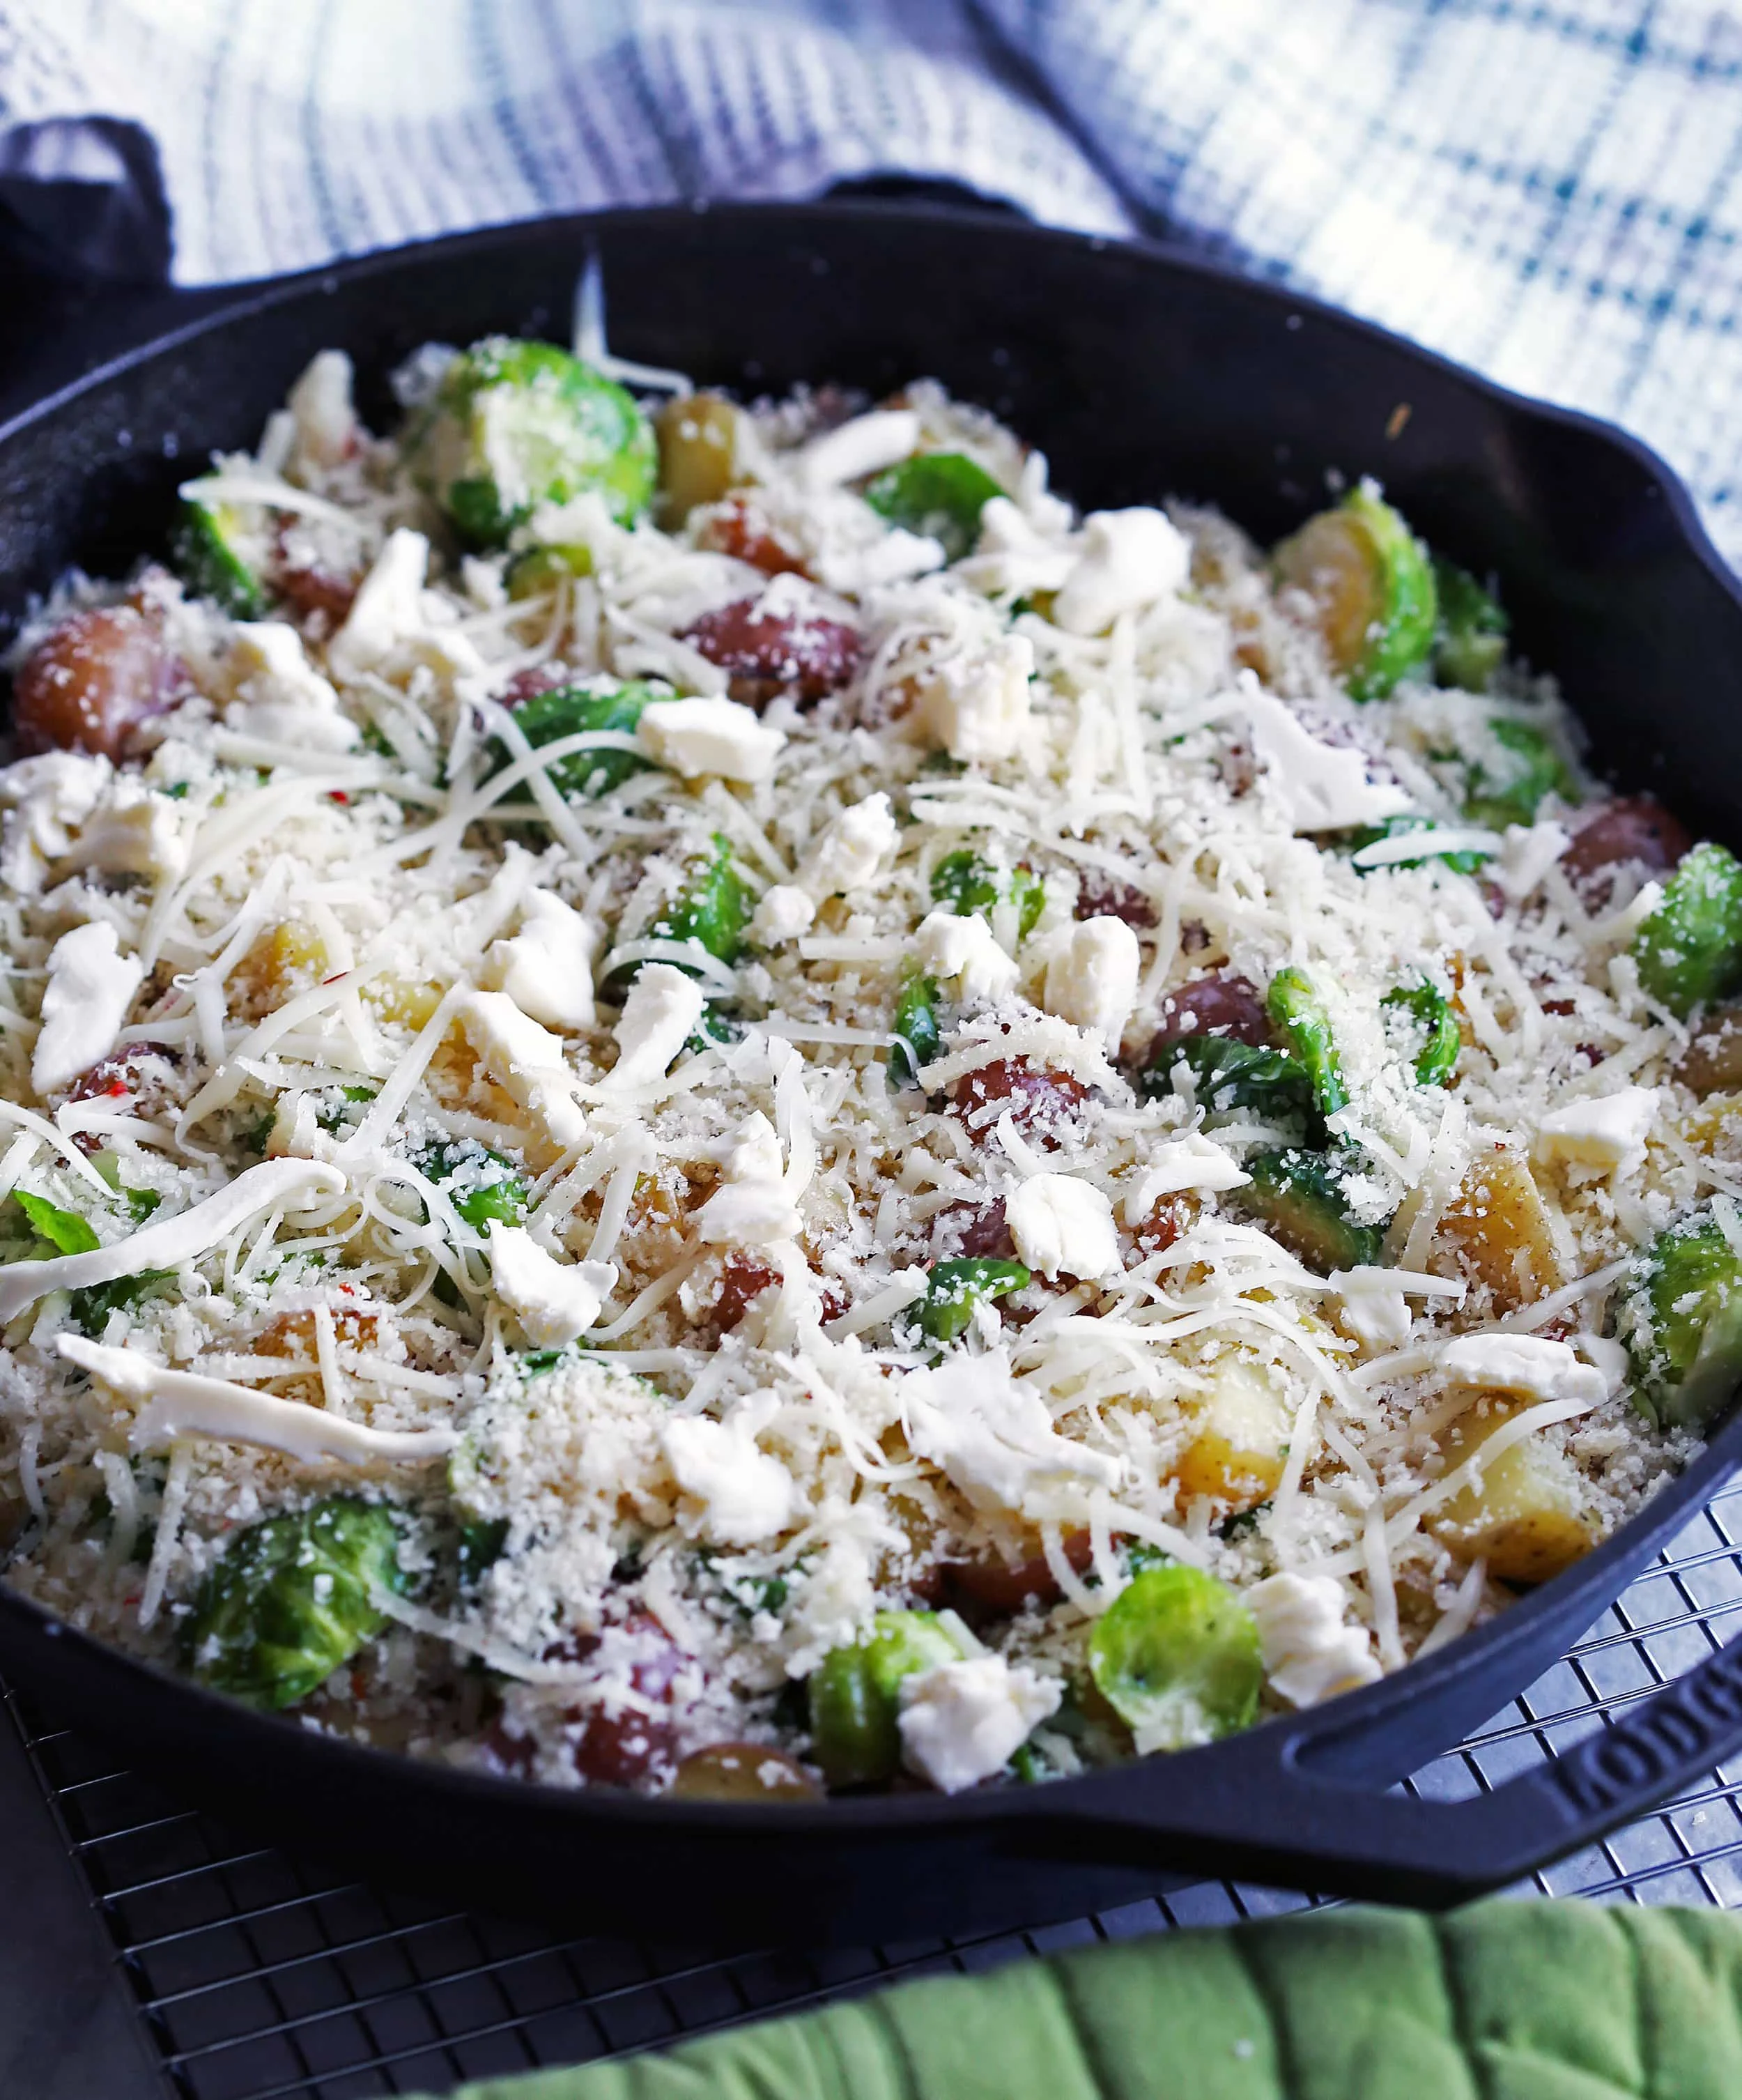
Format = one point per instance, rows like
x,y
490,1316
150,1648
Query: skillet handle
x,y
1253,1808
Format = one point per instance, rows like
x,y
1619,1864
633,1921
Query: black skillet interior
x,y
1141,374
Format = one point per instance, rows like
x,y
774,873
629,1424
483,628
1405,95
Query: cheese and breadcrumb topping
x,y
415,1149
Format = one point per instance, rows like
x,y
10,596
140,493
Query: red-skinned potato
x,y
88,686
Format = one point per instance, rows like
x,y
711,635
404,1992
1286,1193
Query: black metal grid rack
x,y
257,1975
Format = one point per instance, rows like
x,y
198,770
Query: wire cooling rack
x,y
258,1976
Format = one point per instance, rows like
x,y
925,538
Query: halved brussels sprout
x,y
1431,1010
918,1037
938,494
1689,951
218,550
1177,1657
1371,578
1232,1078
1511,793
536,570
955,1288
854,1695
1471,644
514,425
582,711
1297,1010
1680,1315
1300,1198
291,1599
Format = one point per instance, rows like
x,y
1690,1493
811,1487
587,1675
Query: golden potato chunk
x,y
1523,1515
1502,1230
1711,1063
1241,1444
698,453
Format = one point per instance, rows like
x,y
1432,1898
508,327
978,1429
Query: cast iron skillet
x,y
1141,373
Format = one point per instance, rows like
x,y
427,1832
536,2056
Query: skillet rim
x,y
1347,1716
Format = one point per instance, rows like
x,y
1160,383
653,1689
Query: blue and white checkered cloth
x,y
1551,192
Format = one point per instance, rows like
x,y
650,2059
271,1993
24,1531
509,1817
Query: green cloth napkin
x,y
1506,2001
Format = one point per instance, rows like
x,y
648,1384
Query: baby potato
x,y
698,453
1240,1446
1522,1516
1501,1225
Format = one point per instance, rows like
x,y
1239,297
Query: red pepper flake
x,y
338,795
117,1086
335,977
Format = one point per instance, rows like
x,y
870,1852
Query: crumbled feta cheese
x,y
1322,787
1527,852
993,1435
91,986
1309,1654
963,947
137,832
391,612
851,851
1013,557
281,696
893,556
659,1017
748,1213
753,1153
1192,1161
1375,1300
1529,1365
1130,558
526,1061
387,608
974,704
1609,1133
554,1301
709,735
546,968
1092,980
961,1722
782,912
45,800
748,1495
326,423
865,446
1061,1222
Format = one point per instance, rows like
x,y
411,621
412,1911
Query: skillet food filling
x,y
712,1101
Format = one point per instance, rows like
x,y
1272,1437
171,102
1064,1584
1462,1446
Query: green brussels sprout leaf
x,y
65,1231
566,711
1509,791
955,1288
218,550
1469,644
918,1038
938,494
1431,1011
